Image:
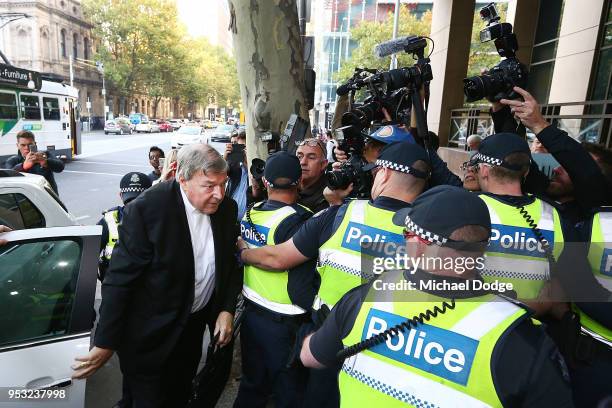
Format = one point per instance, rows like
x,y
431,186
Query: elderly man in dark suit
x,y
172,273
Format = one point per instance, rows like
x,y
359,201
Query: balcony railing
x,y
584,121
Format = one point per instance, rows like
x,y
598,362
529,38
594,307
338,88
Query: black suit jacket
x,y
148,290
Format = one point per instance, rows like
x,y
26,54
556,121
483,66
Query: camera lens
x,y
338,179
474,88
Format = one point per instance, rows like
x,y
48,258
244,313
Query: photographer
x,y
238,175
30,160
312,155
579,185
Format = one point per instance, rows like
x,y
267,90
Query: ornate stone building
x,y
46,40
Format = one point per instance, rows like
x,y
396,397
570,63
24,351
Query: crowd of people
x,y
528,323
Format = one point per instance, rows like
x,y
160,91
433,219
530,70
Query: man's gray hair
x,y
199,156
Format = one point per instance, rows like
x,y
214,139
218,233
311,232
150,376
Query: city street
x,y
88,186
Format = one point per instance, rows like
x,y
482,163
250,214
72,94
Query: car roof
x,y
16,178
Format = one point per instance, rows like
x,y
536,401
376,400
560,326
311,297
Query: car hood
x,y
184,138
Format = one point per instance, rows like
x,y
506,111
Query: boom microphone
x,y
408,44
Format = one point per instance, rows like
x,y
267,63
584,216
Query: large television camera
x,y
395,90
497,84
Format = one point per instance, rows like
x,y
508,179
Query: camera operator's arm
x,y
54,164
587,178
336,197
272,257
440,174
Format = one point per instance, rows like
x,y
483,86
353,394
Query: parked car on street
x,y
137,118
222,133
149,126
176,123
27,201
117,126
187,135
164,126
209,124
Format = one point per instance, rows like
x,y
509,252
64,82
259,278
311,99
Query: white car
x,y
176,123
27,201
47,286
187,135
148,126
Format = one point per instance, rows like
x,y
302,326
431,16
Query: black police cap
x,y
440,211
282,165
496,148
401,156
132,184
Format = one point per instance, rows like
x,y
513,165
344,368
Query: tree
x,y
270,63
370,33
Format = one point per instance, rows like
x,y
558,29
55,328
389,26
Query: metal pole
x,y
340,45
302,14
395,28
71,72
348,29
104,97
363,4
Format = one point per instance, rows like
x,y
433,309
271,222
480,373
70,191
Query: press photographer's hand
x,y
528,112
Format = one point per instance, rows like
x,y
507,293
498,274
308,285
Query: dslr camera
x,y
510,72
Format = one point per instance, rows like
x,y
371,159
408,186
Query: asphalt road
x,y
88,186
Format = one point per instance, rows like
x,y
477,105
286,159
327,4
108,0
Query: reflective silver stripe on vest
x,y
273,306
605,220
113,232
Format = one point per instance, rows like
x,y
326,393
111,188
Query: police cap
x,y
283,167
496,148
391,134
132,184
440,211
400,156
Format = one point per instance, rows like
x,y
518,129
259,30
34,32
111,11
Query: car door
x,y
47,288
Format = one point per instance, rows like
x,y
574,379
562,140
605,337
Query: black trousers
x,y
267,340
322,390
172,386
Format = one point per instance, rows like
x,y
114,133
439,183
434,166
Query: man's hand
x,y
4,228
89,364
228,150
340,155
527,112
336,197
42,159
224,327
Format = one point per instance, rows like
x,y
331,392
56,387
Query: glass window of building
x,y
601,88
545,49
63,42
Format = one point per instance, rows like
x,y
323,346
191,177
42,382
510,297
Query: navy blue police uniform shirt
x,y
526,365
303,280
320,228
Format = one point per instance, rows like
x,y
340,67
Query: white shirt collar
x,y
189,208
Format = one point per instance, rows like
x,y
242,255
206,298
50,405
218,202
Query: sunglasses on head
x,y
311,143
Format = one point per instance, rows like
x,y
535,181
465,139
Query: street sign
x,y
106,110
88,105
20,78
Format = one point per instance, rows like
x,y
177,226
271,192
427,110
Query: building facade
x,y
54,32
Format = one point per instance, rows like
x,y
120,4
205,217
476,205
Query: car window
x,y
51,110
8,106
189,130
37,288
30,107
18,212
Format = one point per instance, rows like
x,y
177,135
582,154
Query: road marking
x,y
82,217
92,172
110,164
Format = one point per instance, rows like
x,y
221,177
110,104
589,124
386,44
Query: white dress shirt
x,y
203,254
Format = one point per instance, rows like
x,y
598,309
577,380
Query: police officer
x,y
474,349
378,140
526,231
277,301
335,236
130,187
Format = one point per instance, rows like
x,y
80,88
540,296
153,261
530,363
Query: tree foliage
x,y
369,33
147,51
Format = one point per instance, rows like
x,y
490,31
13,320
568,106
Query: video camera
x,y
510,72
395,90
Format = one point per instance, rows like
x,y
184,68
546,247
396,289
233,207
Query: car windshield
x,y
110,122
189,130
225,128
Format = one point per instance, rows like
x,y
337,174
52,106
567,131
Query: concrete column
x,y
523,16
451,21
575,50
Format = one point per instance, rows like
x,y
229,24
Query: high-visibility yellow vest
x,y
266,288
340,257
112,221
515,255
600,260
444,362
